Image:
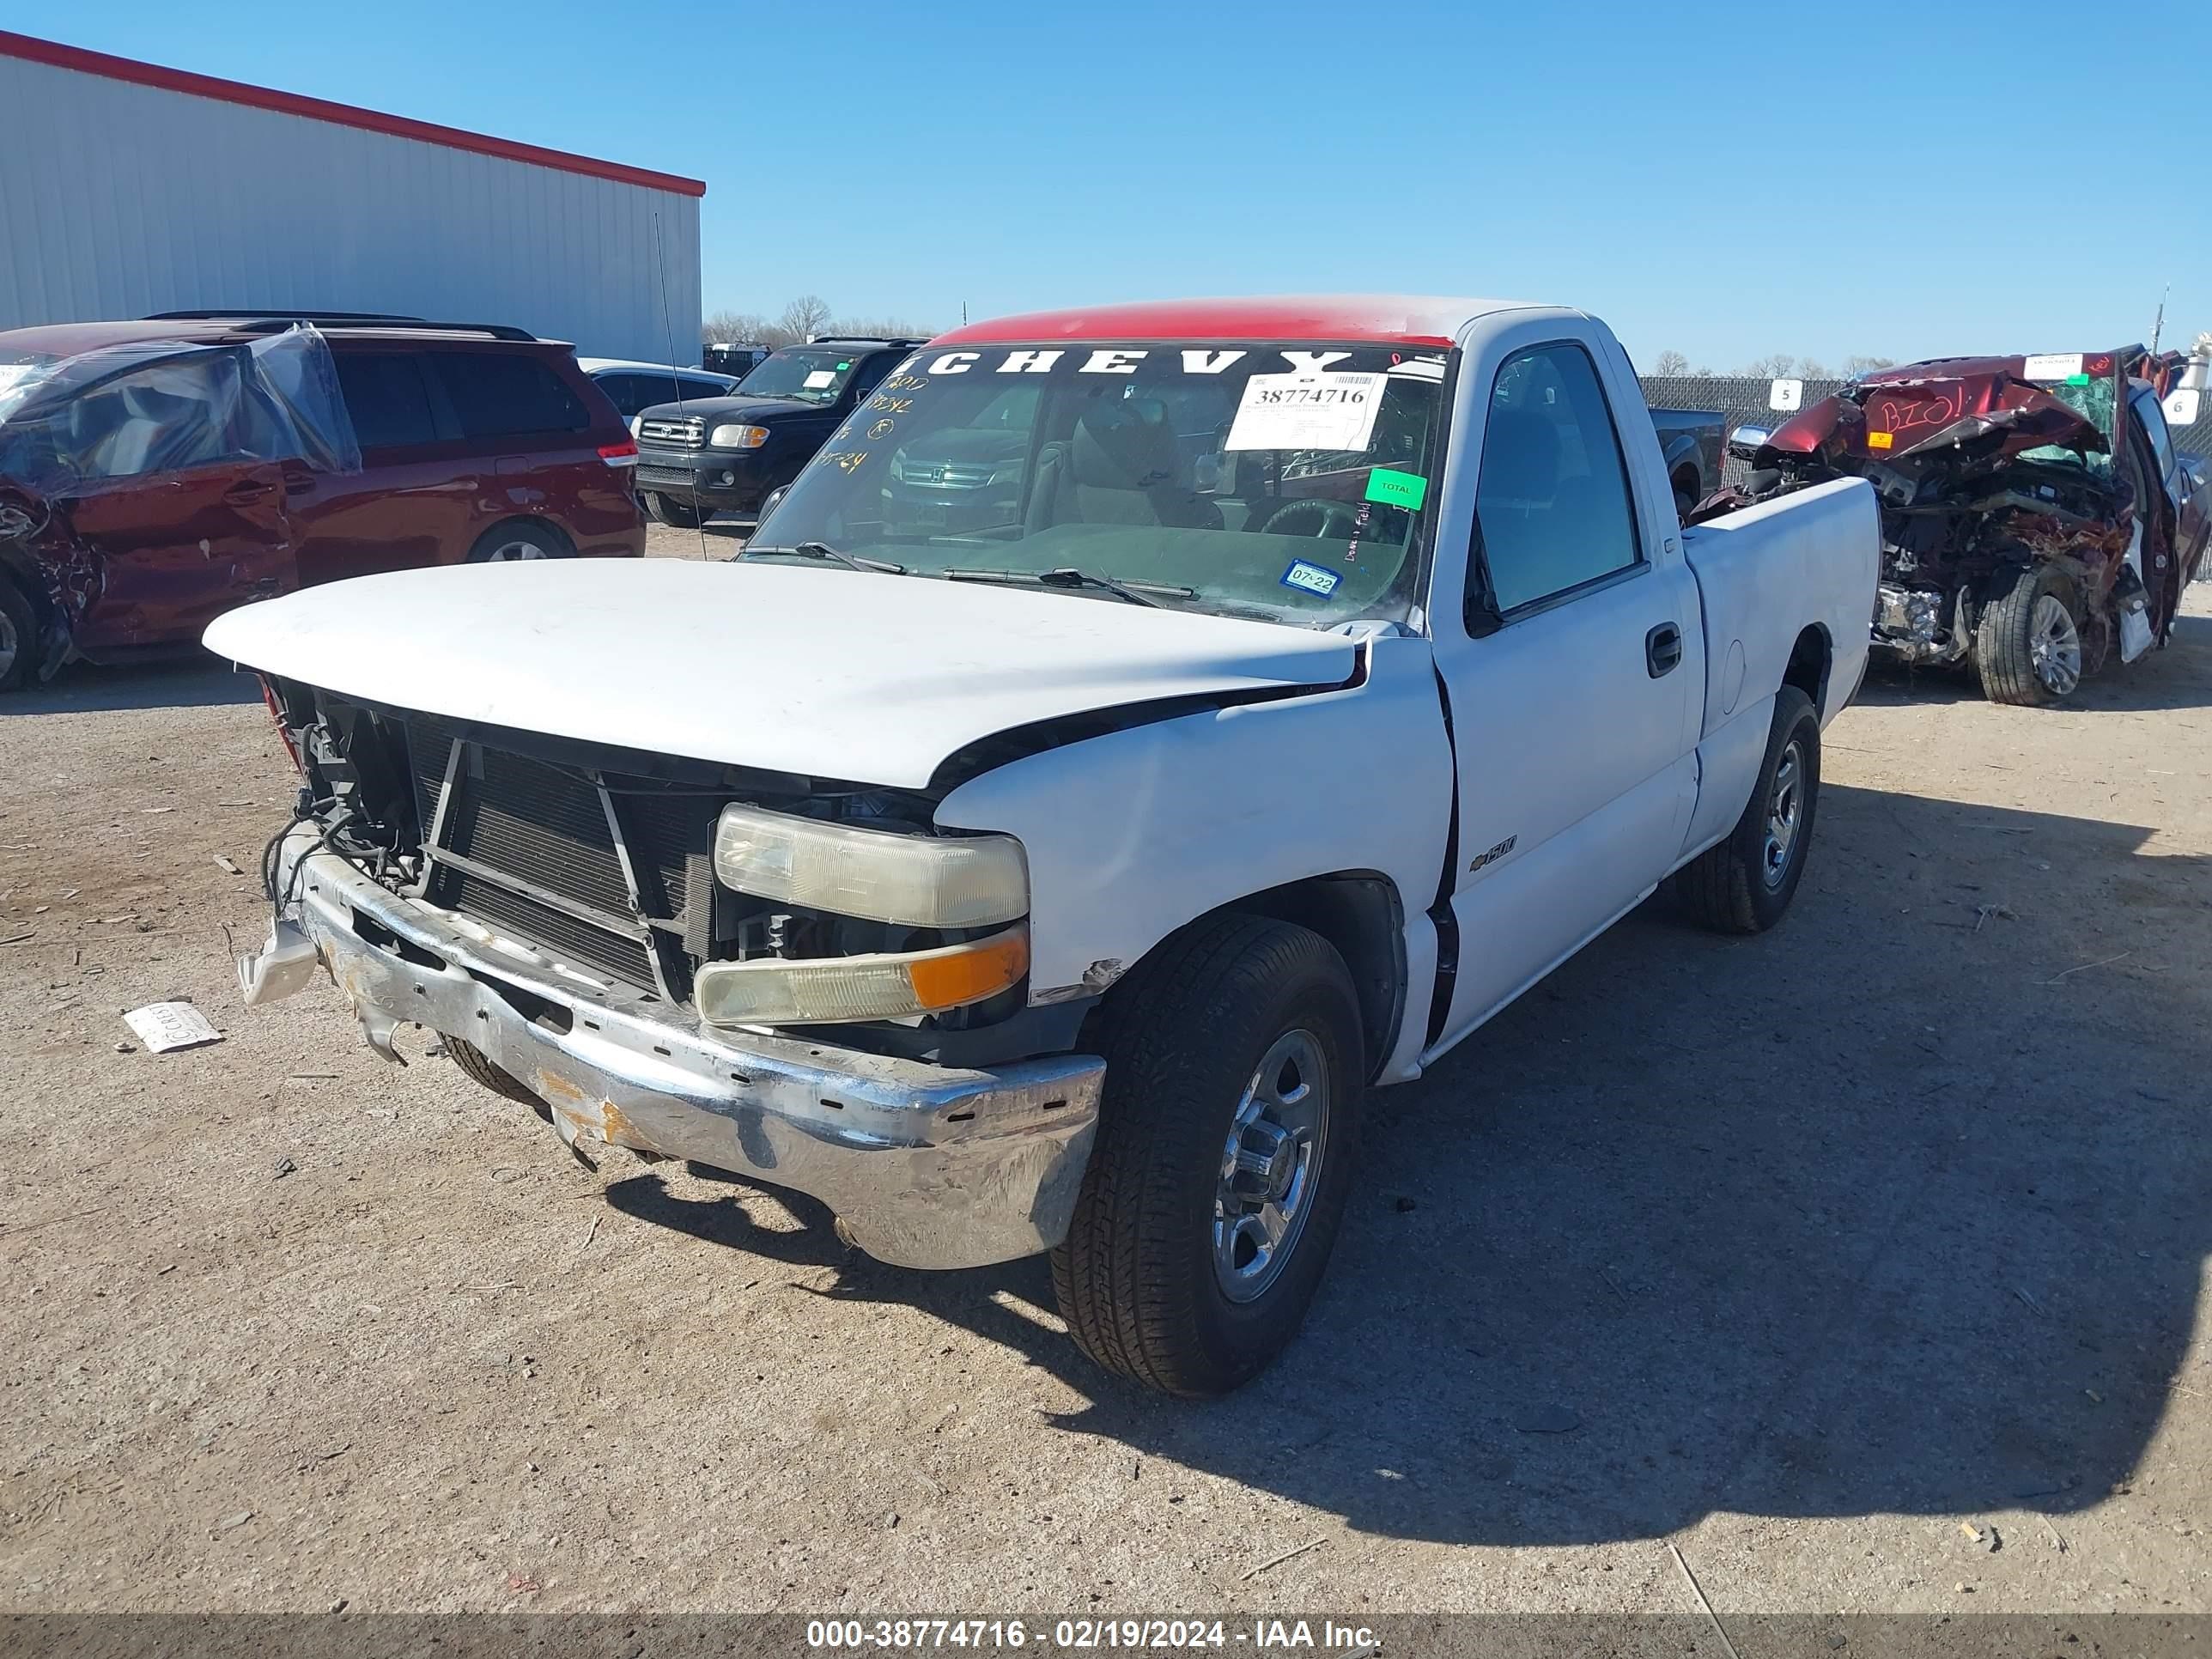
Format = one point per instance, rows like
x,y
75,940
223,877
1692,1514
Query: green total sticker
x,y
1394,488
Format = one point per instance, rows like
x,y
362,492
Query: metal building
x,y
127,189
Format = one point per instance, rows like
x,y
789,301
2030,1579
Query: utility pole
x,y
2159,327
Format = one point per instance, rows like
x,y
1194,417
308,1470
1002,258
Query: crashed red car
x,y
2035,522
156,473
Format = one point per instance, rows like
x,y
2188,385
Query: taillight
x,y
621,454
283,731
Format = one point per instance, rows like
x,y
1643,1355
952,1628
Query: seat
x,y
1120,466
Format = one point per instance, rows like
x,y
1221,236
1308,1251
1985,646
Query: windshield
x,y
1285,482
2096,401
807,374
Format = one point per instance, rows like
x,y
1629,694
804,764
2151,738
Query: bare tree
x,y
742,327
1670,362
1809,368
808,314
1780,366
1858,363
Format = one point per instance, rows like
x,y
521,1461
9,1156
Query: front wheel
x,y
19,638
678,515
1234,1071
1743,884
2028,644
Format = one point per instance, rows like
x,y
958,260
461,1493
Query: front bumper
x,y
725,480
927,1166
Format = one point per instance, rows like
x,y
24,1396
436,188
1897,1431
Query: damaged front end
x,y
1982,472
645,947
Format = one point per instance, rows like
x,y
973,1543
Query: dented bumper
x,y
927,1166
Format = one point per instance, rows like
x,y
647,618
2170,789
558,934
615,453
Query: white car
x,y
1063,884
632,386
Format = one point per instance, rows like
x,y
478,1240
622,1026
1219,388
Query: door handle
x,y
245,494
1663,650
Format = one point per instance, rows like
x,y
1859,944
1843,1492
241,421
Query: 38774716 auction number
x,y
896,1633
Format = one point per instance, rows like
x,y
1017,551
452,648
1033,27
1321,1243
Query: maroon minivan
x,y
153,474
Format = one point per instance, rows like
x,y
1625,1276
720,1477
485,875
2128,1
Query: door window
x,y
387,397
503,394
2153,425
1552,507
167,418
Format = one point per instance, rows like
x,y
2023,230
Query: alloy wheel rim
x,y
509,552
1785,815
1270,1165
2054,645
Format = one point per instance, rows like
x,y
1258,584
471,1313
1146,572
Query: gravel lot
x,y
1798,1252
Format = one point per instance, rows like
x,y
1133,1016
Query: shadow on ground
x,y
195,680
1898,1208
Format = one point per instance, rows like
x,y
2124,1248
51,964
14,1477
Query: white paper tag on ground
x,y
2051,365
162,1026
1328,411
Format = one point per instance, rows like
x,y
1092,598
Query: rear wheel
x,y
2028,644
682,515
1224,1153
1743,884
19,638
521,539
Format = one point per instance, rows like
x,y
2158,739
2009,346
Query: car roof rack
x,y
861,339
269,320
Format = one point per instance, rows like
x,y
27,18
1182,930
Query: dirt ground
x,y
1814,1255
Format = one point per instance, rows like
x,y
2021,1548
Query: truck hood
x,y
828,673
732,408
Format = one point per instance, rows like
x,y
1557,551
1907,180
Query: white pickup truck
x,y
1139,732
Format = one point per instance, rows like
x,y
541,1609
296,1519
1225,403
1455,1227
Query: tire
x,y
1686,493
1744,884
519,539
2028,644
19,638
1152,1283
682,515
479,1066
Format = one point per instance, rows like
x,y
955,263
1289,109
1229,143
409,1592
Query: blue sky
x,y
1726,180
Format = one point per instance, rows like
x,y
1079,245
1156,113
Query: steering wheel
x,y
1325,520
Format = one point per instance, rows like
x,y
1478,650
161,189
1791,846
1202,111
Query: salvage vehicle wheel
x,y
506,542
2028,645
480,1066
19,638
1744,884
1225,1140
682,515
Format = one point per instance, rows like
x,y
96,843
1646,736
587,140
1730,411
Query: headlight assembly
x,y
919,881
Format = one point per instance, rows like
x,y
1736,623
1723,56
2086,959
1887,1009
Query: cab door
x,y
173,516
1574,674
171,551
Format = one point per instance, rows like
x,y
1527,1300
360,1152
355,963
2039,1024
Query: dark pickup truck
x,y
710,455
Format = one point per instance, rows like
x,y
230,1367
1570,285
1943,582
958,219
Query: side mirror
x,y
1746,442
775,497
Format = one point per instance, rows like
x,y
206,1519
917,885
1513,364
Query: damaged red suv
x,y
154,474
2036,521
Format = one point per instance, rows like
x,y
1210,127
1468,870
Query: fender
x,y
1135,833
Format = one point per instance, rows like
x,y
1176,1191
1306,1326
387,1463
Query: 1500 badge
x,y
1493,855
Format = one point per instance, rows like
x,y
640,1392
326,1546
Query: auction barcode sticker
x,y
1323,409
2051,365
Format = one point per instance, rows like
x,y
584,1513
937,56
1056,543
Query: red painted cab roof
x,y
1380,318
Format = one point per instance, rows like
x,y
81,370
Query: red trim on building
x,y
1383,319
57,56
